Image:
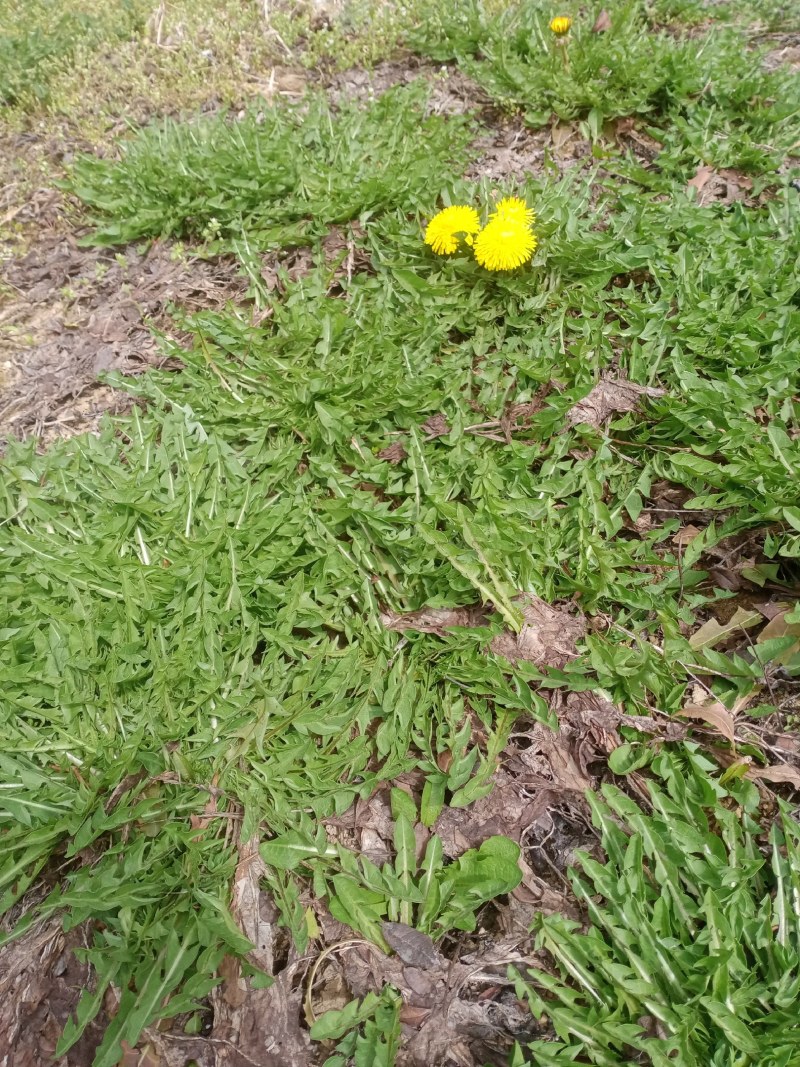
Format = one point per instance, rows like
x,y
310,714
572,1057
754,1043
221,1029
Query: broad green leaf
x,y
290,850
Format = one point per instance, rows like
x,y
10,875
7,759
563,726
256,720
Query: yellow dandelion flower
x,y
560,25
504,243
513,207
443,229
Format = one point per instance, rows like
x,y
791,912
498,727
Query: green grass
x,y
192,600
727,109
198,601
764,16
693,926
369,1029
80,72
39,39
280,175
566,323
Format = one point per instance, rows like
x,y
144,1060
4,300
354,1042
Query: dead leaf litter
x,y
609,397
77,312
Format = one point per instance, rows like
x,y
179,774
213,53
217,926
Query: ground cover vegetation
x,y
396,512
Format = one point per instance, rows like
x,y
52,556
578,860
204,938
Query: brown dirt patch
x,y
506,150
32,160
629,136
784,50
40,985
510,150
723,186
452,92
339,251
72,313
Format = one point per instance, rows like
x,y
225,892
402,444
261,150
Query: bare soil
x,y
74,313
41,981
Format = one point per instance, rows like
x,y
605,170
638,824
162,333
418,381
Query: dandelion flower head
x,y
560,25
442,232
504,243
513,207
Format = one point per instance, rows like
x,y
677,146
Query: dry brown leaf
x,y
138,1057
741,702
330,993
739,184
548,899
249,905
562,133
624,125
454,1022
394,453
723,186
512,803
716,715
413,1016
770,608
233,987
607,398
338,241
782,773
685,535
435,620
548,637
282,266
779,627
712,632
374,847
700,179
522,412
785,744
412,946
562,758
370,822
625,129
201,822
35,997
264,1031
602,23
435,426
